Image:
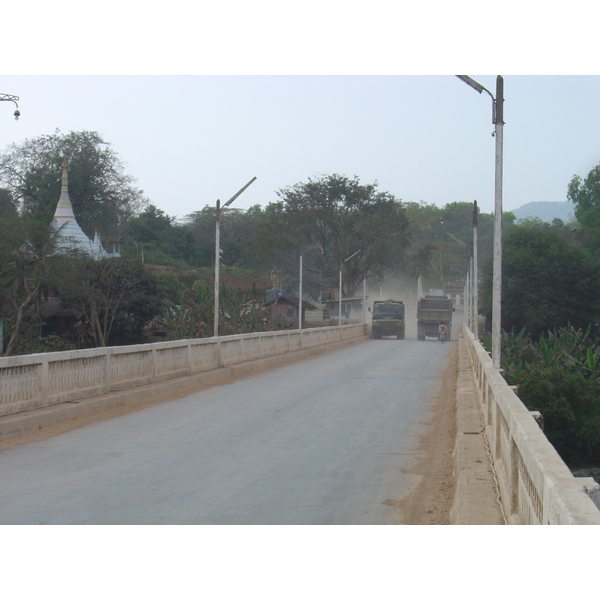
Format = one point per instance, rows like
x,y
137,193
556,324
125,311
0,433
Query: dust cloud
x,y
397,290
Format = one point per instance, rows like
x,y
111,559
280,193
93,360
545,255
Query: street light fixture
x,y
498,121
218,250
341,265
313,247
14,99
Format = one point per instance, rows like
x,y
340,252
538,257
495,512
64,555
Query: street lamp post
x,y
218,250
467,309
17,114
475,293
498,121
313,247
364,306
14,100
341,266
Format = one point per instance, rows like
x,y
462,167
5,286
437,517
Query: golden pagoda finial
x,y
65,179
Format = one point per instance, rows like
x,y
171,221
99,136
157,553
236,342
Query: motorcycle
x,y
442,336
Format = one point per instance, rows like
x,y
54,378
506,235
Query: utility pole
x,y
498,121
497,263
475,305
17,114
218,250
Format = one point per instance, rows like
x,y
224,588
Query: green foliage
x,y
441,240
26,249
194,316
559,376
571,409
113,298
238,231
585,195
546,282
170,287
154,235
8,207
340,216
49,343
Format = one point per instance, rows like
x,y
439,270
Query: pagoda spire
x,y
65,176
64,208
64,217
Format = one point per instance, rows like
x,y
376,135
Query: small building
x,y
285,309
352,310
273,293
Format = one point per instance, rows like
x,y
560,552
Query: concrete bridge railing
x,y
536,486
40,380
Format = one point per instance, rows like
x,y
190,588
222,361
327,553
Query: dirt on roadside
x,y
431,501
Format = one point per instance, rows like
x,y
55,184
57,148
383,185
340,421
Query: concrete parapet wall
x,y
40,380
536,486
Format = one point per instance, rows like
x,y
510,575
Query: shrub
x,y
560,377
571,410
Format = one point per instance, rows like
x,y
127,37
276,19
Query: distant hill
x,y
546,211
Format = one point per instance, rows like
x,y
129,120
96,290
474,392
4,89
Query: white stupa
x,y
70,235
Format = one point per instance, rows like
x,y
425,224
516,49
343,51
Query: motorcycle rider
x,y
442,330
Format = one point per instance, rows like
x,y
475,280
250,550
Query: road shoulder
x,y
476,499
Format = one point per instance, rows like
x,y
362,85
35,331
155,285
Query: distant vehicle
x,y
431,311
442,335
387,319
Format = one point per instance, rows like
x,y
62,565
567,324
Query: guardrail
x,y
536,486
39,380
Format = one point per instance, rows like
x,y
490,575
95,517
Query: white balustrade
x,y
536,486
38,380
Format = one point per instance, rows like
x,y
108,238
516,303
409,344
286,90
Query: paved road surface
x,y
322,441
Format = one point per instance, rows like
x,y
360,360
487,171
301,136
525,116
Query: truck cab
x,y
387,319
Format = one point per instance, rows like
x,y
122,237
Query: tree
x,y
238,233
114,299
8,207
546,282
154,233
193,317
26,247
340,216
103,196
585,195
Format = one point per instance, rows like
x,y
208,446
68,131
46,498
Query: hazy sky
x,y
196,98
189,140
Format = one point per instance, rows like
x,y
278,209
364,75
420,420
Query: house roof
x,y
294,300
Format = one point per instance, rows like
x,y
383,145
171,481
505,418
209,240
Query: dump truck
x,y
387,319
431,311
